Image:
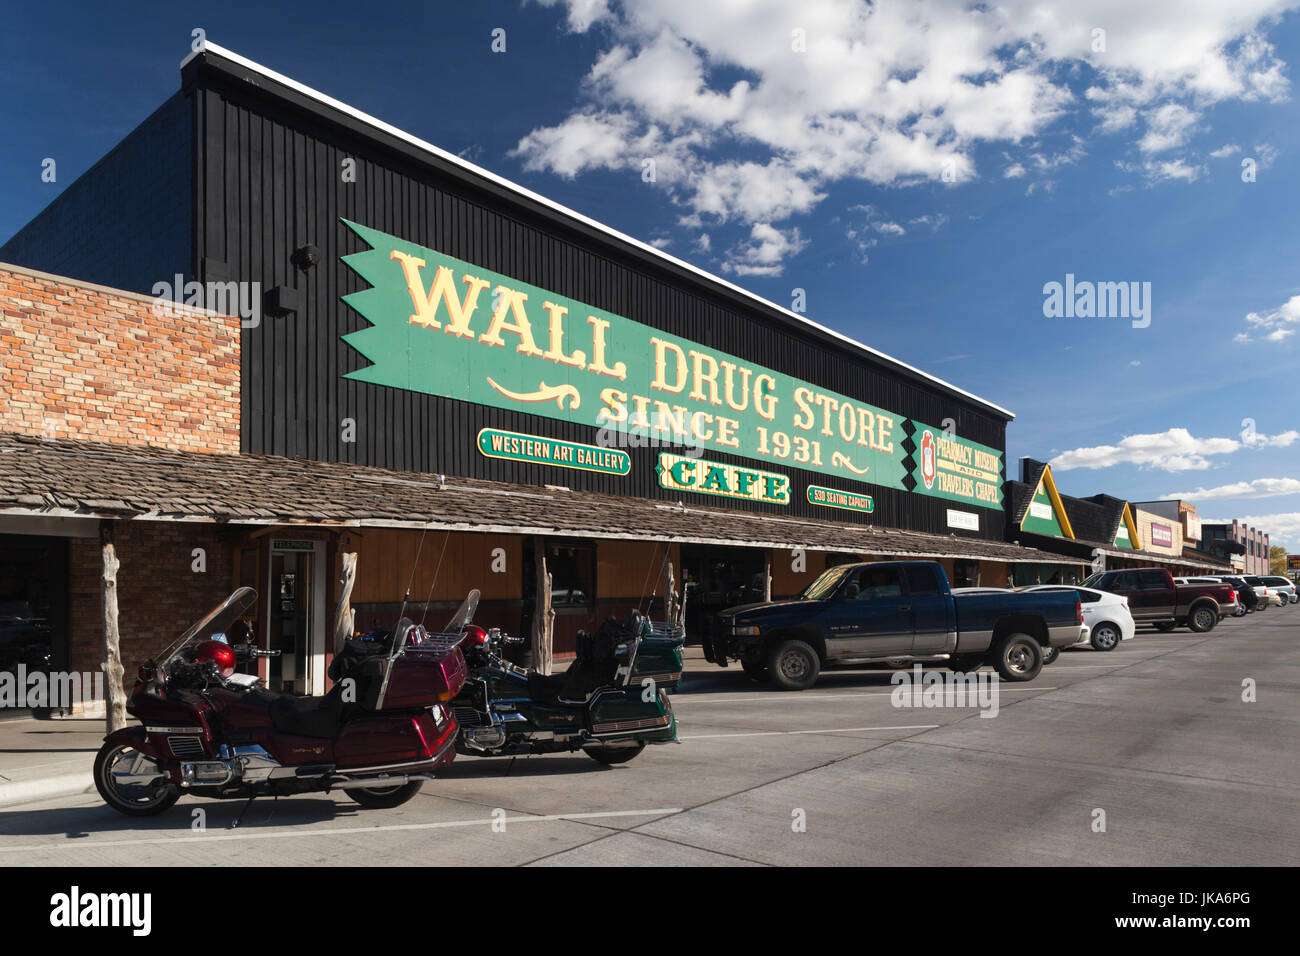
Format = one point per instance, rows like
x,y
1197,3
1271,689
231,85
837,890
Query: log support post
x,y
543,614
670,591
115,704
344,615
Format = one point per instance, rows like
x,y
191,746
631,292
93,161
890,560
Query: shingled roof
x,y
92,479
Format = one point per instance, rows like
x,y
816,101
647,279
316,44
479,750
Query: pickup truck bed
x,y
893,611
1154,598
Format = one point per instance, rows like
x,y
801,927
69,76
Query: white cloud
x,y
763,254
1226,150
1173,450
935,221
1258,488
1168,127
1155,171
1014,171
892,92
1254,439
582,13
1272,325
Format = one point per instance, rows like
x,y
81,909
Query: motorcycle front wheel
x,y
612,755
120,778
385,798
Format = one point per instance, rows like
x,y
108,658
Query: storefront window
x,y
573,574
965,574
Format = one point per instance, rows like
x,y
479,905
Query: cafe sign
x,y
446,327
679,473
551,451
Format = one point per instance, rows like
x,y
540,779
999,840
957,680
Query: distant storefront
x,y
1247,548
1097,533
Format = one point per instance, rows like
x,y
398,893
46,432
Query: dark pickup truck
x,y
893,611
1154,598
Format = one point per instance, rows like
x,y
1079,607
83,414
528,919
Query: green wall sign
x,y
848,500
679,473
446,327
551,451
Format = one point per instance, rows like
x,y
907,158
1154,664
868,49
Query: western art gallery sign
x,y
448,328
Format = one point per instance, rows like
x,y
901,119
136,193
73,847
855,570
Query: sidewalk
x,y
47,758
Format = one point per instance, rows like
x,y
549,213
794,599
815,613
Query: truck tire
x,y
1050,654
1202,619
1018,657
793,665
1105,637
1164,625
965,663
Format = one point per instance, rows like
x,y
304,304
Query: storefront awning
x,y
67,478
1206,563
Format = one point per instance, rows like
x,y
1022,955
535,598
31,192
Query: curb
x,y
25,791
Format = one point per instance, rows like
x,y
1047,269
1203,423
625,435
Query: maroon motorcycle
x,y
209,731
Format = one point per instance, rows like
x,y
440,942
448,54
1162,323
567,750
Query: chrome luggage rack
x,y
666,630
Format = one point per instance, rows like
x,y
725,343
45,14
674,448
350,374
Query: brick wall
x,y
98,364
159,595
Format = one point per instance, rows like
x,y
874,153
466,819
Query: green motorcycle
x,y
610,703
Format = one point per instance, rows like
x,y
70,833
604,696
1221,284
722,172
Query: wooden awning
x,y
64,477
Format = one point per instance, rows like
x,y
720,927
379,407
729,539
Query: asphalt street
x,y
1144,755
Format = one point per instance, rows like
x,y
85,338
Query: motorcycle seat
x,y
547,689
308,716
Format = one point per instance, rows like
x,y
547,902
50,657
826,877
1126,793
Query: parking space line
x,y
805,698
337,831
831,730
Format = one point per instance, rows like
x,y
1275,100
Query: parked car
x,y
1266,593
1154,598
1246,599
1250,596
1284,585
1107,615
899,610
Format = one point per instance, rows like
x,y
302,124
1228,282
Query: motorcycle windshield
x,y
407,635
216,622
464,615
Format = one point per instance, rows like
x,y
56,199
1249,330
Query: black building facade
x,y
235,177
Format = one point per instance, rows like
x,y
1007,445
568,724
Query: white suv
x,y
1285,586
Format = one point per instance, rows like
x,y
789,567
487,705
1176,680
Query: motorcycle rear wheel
x,y
385,798
612,755
133,800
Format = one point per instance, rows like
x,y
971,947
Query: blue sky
x,y
921,170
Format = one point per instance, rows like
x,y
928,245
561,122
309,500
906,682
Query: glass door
x,y
289,605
